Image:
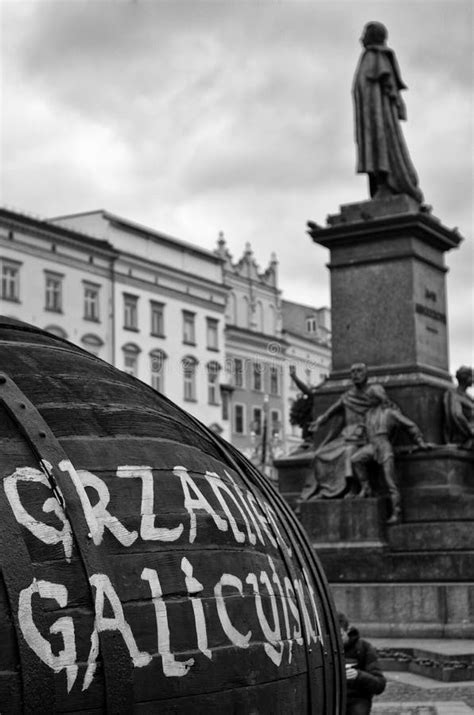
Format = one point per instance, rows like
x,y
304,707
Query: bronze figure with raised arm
x,y
459,411
332,472
381,420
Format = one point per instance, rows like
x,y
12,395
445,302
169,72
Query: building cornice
x,y
185,276
313,342
158,236
138,229
235,280
252,338
57,258
49,231
160,290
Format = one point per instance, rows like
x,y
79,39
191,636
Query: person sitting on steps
x,y
363,675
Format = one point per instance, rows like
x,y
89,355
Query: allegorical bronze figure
x,y
302,409
459,411
379,108
332,472
381,420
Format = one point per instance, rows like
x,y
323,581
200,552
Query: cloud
x,y
194,117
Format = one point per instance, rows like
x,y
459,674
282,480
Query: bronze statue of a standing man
x,y
379,107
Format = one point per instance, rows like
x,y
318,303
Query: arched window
x,y
189,364
257,376
271,320
157,369
244,312
130,358
260,325
231,313
56,330
213,369
92,343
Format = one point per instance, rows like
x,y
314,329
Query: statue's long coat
x,y
379,108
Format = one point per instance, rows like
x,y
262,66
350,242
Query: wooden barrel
x,y
146,566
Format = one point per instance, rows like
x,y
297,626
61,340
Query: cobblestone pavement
x,y
413,695
412,708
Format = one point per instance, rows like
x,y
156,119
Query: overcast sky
x,y
233,115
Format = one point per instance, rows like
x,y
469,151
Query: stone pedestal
x,y
293,471
389,310
414,579
388,304
388,298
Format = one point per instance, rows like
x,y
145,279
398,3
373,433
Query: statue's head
x,y
359,374
374,33
464,376
377,395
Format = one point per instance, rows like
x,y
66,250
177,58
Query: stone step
x,y
429,662
359,564
436,505
432,536
426,616
437,648
350,520
451,707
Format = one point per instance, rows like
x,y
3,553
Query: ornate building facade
x,y
58,279
255,352
169,305
307,330
211,333
147,303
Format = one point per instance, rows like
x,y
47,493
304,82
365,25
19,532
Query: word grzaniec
x,y
247,590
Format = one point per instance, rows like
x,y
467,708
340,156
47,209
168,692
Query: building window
x,y
272,320
189,378
189,333
212,334
157,319
257,372
53,292
259,316
130,358
11,281
239,421
57,331
238,372
245,311
213,369
274,381
92,343
225,405
91,302
157,369
311,325
130,311
257,423
293,386
231,313
275,423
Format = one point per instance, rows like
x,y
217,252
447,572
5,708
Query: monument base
x,y
413,579
293,471
388,309
388,294
376,208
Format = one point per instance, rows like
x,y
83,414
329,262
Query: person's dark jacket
x,y
370,680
